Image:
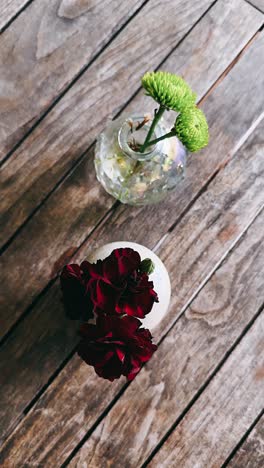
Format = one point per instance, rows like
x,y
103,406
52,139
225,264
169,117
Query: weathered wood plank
x,y
53,148
34,332
122,226
62,421
63,223
251,453
9,9
42,52
224,411
190,352
214,233
258,3
75,207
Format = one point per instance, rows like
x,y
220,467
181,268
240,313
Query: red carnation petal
x,y
128,260
108,356
111,272
145,333
95,270
120,353
115,346
134,370
71,270
132,310
112,370
128,325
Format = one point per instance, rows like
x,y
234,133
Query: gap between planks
x,y
172,449
213,270
51,282
203,387
258,4
246,327
242,441
5,246
208,380
230,66
239,237
83,70
108,214
8,242
115,205
72,169
72,82
203,189
12,16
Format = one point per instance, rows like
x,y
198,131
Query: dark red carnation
x,y
117,286
103,293
116,267
138,297
116,346
76,297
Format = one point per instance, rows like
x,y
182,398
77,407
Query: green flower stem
x,y
157,116
167,135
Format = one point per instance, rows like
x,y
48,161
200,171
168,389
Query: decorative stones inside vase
x,y
134,177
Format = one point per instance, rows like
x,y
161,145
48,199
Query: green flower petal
x,y
192,129
171,91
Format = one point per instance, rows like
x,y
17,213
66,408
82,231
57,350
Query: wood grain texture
x,y
206,247
53,226
9,9
156,220
53,148
34,332
251,453
38,62
63,223
189,353
258,4
62,420
224,411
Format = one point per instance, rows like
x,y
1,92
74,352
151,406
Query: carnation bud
x,y
147,266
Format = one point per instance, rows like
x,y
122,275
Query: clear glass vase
x,y
133,177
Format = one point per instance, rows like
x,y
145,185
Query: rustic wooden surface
x,y
209,323
258,4
251,453
44,157
51,150
60,393
59,43
38,343
9,9
210,430
65,69
78,204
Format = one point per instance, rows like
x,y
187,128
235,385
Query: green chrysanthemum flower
x,y
192,129
171,91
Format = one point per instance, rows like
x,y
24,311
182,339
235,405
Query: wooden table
x,y
66,67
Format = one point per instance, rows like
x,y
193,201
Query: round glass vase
x,y
133,177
